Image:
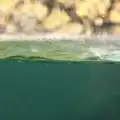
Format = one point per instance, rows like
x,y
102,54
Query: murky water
x,y
69,50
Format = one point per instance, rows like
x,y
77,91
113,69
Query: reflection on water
x,y
61,50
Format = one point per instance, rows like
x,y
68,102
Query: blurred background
x,y
60,16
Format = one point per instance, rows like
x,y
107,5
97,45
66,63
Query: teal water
x,y
59,90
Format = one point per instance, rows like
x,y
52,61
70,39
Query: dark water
x,y
59,91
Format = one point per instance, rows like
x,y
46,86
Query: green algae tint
x,y
62,50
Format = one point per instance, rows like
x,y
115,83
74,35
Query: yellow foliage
x,y
66,3
70,28
57,18
39,10
115,16
5,5
82,8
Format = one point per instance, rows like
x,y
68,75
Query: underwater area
x,y
60,80
59,90
47,77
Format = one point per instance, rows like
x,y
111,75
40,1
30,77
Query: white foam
x,y
56,37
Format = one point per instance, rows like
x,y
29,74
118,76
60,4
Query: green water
x,y
48,50
55,84
67,50
59,50
59,91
